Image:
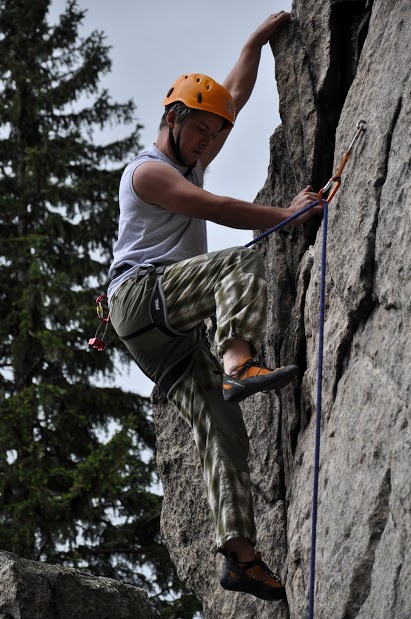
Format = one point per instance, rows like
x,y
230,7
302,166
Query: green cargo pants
x,y
231,285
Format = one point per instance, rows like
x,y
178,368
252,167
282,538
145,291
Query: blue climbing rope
x,y
319,381
318,412
283,223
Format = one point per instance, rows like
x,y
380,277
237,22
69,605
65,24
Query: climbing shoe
x,y
253,577
249,377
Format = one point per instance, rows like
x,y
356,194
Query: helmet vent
x,y
170,91
199,97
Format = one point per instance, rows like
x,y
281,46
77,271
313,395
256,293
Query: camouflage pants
x,y
231,285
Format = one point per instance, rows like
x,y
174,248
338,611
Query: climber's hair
x,y
181,111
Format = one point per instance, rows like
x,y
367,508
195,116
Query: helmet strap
x,y
175,145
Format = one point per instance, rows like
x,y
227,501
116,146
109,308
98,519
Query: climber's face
x,y
195,134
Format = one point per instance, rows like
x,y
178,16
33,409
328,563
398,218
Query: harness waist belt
x,y
127,266
120,270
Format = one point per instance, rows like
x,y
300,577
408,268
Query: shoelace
x,y
244,367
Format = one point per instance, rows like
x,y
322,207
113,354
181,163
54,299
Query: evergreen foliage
x,y
76,460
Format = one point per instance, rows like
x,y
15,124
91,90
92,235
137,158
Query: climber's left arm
x,y
242,77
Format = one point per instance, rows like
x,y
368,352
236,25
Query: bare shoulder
x,y
159,183
150,171
151,177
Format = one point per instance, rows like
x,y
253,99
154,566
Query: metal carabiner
x,y
327,186
100,309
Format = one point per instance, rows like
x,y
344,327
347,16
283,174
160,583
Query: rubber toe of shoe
x,y
236,390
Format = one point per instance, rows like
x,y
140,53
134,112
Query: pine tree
x,y
76,459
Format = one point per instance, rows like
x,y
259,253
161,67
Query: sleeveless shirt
x,y
148,233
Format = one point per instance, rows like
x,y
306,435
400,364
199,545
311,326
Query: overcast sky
x,y
154,42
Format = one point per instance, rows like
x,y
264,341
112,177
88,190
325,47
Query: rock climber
x,y
164,284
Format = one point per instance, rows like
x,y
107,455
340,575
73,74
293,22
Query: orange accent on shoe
x,y
253,577
258,573
249,378
251,371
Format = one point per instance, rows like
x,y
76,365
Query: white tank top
x,y
150,234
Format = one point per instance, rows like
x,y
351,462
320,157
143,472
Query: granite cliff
x,y
36,590
337,62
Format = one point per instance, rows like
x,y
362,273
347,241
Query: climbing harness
x,y
334,183
157,323
157,310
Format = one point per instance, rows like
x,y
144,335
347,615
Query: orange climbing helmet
x,y
200,92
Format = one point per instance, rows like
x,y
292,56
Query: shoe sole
x,y
242,389
251,588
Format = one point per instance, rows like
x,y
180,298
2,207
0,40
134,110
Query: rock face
x,y
339,61
33,590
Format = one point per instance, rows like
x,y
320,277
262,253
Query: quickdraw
x,y
97,342
336,180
